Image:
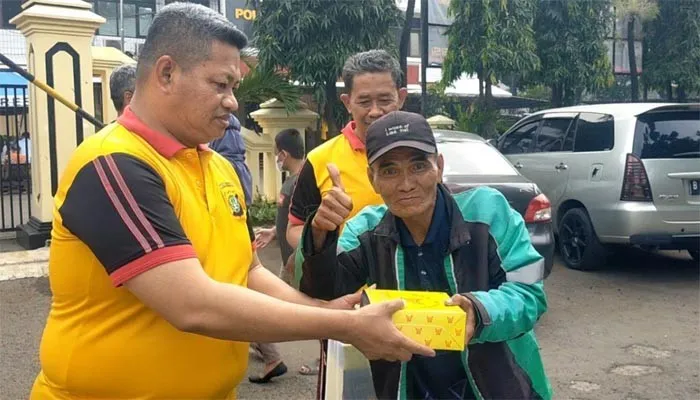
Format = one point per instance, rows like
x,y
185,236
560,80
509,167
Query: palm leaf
x,y
261,84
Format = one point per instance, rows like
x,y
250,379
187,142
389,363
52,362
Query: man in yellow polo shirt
x,y
156,287
373,88
373,84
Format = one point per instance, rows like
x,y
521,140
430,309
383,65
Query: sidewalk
x,y
23,263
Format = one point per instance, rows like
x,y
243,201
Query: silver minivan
x,y
616,174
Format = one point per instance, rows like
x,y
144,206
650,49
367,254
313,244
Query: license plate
x,y
694,187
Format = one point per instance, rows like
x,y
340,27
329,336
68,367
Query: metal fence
x,y
15,157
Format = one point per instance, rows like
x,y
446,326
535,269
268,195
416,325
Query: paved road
x,y
627,332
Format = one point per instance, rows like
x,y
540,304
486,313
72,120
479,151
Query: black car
x,y
470,162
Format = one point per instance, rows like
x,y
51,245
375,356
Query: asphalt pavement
x,y
629,331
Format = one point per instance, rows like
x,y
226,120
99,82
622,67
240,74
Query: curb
x,y
24,264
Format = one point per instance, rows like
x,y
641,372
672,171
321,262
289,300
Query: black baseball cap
x,y
399,129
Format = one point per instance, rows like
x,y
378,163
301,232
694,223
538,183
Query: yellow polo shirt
x,y
348,153
130,200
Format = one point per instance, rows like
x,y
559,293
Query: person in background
x,y
24,145
232,147
122,83
289,154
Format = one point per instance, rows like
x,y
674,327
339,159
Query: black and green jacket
x,y
490,260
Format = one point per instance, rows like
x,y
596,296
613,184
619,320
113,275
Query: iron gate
x,y
15,157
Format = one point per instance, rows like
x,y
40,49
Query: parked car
x,y
470,162
616,174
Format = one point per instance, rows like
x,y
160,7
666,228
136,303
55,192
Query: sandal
x,y
307,370
279,370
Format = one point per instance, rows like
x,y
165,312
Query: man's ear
x,y
370,175
127,97
164,69
403,93
345,98
441,167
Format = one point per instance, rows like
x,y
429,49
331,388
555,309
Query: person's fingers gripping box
x,y
425,318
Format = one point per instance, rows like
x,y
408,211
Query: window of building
x,y
97,100
414,47
214,5
8,10
138,15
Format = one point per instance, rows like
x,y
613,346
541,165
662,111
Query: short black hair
x,y
290,141
185,32
368,62
123,79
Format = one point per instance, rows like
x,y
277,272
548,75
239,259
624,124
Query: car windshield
x,y
473,158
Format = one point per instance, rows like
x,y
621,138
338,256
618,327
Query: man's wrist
x,y
318,236
341,326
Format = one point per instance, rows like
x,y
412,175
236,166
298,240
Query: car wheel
x,y
695,255
578,243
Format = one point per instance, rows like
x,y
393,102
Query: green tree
x,y
311,39
635,12
492,39
261,84
672,54
570,38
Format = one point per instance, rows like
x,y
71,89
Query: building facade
x,y
137,16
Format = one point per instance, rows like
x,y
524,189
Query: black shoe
x,y
279,370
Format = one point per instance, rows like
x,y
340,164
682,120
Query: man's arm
x,y
336,267
515,305
305,200
262,280
118,207
328,267
186,297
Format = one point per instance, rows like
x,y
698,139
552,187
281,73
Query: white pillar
x,y
64,28
273,118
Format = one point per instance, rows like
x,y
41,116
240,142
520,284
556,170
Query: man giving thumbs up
x,y
335,207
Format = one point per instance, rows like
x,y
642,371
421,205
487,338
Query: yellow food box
x,y
425,318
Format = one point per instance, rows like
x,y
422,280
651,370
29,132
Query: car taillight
x,y
539,210
635,183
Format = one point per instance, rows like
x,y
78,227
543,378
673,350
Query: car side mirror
x,y
493,142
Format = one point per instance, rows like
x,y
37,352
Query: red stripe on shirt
x,y
120,207
151,260
293,220
132,202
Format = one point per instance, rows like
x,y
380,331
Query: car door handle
x,y
518,165
561,166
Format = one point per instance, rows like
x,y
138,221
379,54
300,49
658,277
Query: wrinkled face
x,y
201,98
372,96
407,180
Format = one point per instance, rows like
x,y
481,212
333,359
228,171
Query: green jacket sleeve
x,y
512,308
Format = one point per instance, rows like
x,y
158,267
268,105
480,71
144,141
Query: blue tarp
x,y
12,78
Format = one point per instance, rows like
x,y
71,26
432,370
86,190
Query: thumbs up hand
x,y
335,207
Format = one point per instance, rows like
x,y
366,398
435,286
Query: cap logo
x,y
396,129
